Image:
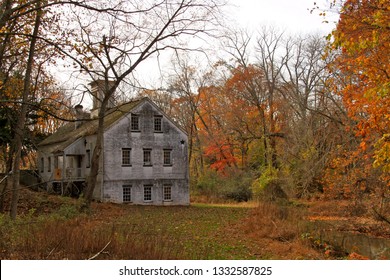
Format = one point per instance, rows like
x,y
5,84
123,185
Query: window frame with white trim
x,y
126,157
148,193
147,157
158,123
167,157
127,193
167,192
135,123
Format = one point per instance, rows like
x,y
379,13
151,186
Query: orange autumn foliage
x,y
235,116
362,65
217,147
227,123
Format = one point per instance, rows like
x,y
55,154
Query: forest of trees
x,y
284,115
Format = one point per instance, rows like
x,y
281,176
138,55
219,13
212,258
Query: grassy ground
x,y
50,227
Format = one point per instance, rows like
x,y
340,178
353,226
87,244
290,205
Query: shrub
x,y
268,186
208,183
233,186
237,187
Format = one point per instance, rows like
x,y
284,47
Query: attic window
x,y
157,123
134,122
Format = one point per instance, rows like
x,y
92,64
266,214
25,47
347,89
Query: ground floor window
x,y
147,193
126,192
167,192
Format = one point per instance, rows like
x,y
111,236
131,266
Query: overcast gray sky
x,y
292,15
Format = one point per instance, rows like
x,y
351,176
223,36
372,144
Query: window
x,y
134,122
126,193
147,157
126,157
88,165
49,164
157,123
167,192
167,157
148,193
42,165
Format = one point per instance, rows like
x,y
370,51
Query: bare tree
x,y
21,120
263,79
289,87
311,110
186,80
24,81
271,60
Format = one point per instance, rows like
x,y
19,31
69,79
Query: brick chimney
x,y
98,88
81,115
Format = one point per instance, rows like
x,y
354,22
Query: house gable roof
x,y
69,133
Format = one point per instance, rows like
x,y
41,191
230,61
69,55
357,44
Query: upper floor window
x,y
157,123
167,157
147,157
134,122
126,157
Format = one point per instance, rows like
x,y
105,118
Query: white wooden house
x,y
144,158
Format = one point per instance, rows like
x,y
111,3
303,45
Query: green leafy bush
x,y
268,186
234,186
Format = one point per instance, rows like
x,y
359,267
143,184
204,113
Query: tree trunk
x,y
97,151
6,183
272,140
6,11
21,121
95,165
